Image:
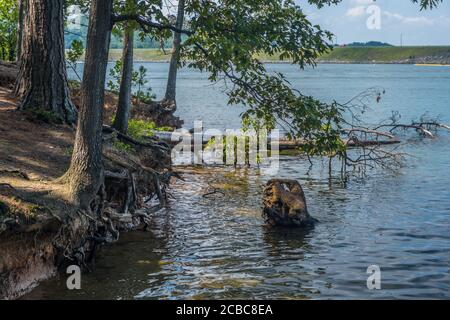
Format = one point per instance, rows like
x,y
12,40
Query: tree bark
x,y
173,69
124,104
86,175
42,80
22,10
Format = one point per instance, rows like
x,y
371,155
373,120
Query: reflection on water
x,y
216,246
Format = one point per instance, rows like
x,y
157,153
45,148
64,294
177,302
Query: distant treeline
x,y
369,44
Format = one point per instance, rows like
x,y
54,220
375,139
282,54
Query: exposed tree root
x,y
130,179
75,233
15,172
161,112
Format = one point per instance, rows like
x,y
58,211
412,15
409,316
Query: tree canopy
x,y
9,15
224,37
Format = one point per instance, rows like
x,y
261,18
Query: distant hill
x,y
370,55
411,55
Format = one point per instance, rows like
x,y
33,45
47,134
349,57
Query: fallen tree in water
x,y
283,144
368,156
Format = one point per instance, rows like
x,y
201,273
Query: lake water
x,y
217,246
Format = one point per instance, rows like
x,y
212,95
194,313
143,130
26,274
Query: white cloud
x,y
413,21
443,21
361,2
313,15
358,8
356,12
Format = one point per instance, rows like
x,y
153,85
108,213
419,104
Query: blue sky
x,y
348,21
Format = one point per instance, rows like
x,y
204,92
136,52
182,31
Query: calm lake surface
x,y
217,247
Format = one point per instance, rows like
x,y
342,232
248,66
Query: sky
x,y
391,21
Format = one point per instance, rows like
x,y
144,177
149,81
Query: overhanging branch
x,y
146,24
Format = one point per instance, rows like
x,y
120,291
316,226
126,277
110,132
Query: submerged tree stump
x,y
285,204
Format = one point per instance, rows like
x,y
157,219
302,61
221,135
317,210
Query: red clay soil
x,y
30,155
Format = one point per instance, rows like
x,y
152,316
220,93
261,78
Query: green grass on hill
x,y
382,54
158,55
341,54
142,54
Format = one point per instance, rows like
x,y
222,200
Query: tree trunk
x,y
124,104
85,175
22,10
42,81
12,49
172,81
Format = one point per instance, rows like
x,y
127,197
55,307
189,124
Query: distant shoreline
x,y
323,62
320,62
389,55
421,56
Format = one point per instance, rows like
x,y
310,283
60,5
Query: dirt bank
x,y
41,231
8,73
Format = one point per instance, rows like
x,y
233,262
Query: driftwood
x,y
285,145
285,204
424,128
160,112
